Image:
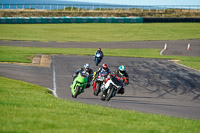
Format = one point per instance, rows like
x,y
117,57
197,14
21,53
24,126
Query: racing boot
x,y
121,91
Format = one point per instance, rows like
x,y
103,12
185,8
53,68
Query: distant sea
x,y
43,2
38,4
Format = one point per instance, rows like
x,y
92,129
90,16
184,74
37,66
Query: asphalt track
x,y
156,86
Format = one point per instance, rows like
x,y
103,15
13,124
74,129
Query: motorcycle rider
x,y
103,68
119,74
88,70
98,52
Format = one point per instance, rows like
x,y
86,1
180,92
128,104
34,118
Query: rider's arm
x,y
90,76
127,79
78,70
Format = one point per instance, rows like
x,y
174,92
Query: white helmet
x,y
87,66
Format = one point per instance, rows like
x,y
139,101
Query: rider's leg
x,y
95,58
88,85
121,91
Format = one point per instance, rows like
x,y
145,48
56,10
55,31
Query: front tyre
x,y
76,89
103,96
97,89
97,63
109,94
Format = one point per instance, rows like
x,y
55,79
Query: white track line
x,y
186,66
54,77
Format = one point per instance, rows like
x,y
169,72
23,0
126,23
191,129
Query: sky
x,y
144,2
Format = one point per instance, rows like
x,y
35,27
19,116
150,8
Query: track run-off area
x,y
156,85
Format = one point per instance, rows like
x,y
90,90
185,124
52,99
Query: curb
x,y
38,60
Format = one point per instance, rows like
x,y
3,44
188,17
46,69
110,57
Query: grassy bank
x,y
102,12
24,54
30,108
99,32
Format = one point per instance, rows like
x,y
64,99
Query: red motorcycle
x,y
99,82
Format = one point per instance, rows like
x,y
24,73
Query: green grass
x,y
30,108
100,32
21,54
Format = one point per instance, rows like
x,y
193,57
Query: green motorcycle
x,y
79,84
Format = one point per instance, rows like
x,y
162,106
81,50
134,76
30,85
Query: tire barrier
x,y
170,20
47,20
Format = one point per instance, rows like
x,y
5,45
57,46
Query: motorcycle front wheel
x,y
97,89
103,96
109,94
76,89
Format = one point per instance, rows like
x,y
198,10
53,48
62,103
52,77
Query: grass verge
x,y
100,32
23,54
30,108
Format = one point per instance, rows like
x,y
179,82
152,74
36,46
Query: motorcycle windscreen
x,y
82,78
98,55
103,74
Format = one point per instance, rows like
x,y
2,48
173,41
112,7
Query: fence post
x,y
181,9
157,9
197,8
142,9
189,8
72,8
135,8
164,9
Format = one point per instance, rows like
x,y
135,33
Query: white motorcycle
x,y
115,85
